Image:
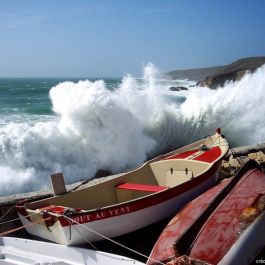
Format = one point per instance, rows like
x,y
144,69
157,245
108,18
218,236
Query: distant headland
x,y
213,77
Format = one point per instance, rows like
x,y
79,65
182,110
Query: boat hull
x,y
129,217
251,243
136,199
23,251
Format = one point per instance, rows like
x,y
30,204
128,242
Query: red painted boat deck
x,y
210,155
183,155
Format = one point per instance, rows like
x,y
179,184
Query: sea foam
x,y
95,128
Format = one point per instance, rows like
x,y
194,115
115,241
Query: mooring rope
x,y
16,219
7,212
90,243
23,226
111,240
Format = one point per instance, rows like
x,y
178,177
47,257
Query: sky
x,y
103,38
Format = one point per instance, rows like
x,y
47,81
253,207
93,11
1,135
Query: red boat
x,y
225,225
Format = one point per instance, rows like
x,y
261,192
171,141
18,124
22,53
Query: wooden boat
x,y
24,251
138,198
225,225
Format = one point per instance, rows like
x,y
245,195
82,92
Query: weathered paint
x,y
163,248
222,230
224,227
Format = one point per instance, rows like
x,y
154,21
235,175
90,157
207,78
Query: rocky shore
x,y
234,159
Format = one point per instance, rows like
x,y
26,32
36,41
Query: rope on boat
x,y
238,160
7,212
23,226
16,219
90,243
111,240
182,260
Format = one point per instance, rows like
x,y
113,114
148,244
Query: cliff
x,y
217,76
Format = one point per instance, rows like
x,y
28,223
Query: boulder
x,y
178,88
259,156
102,173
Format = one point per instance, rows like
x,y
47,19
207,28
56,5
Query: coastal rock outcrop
x,y
234,162
178,88
214,77
232,72
219,80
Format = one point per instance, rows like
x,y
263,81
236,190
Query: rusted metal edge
x,y
184,244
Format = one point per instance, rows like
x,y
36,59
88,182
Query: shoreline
x,y
230,165
242,153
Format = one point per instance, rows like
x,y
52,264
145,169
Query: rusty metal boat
x,y
225,225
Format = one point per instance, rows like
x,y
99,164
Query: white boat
x,y
19,251
138,198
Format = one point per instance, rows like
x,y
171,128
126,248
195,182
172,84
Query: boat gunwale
x,y
148,199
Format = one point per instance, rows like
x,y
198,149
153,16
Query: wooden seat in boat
x,y
129,191
141,187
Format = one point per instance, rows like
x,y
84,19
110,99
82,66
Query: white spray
x,y
96,128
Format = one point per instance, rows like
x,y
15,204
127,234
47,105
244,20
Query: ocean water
x,y
77,126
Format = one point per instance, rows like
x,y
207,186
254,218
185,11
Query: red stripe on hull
x,y
141,203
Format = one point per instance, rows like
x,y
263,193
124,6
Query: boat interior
x,y
157,175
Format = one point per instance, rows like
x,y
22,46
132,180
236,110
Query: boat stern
x,y
41,224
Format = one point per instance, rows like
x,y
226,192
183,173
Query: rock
x,y
241,73
102,173
239,67
231,166
179,88
232,72
259,156
234,162
218,80
245,150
